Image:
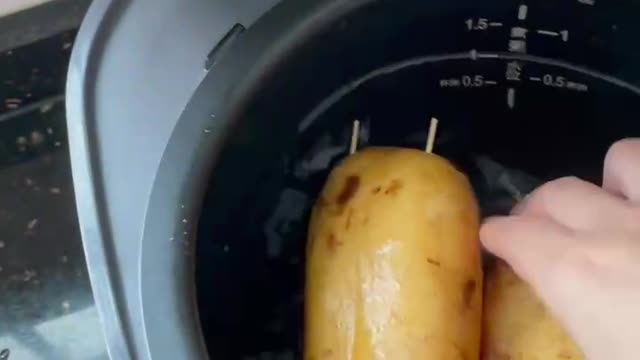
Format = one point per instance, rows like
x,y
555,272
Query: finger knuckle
x,y
554,188
621,149
574,265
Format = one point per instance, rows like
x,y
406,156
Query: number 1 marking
x,y
548,33
564,34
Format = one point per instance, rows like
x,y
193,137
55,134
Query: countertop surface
x,y
46,304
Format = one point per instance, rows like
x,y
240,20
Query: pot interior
x,y
524,93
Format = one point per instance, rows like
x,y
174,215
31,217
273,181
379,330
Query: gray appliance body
x,y
134,68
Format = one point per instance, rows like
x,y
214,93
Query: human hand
x,y
578,246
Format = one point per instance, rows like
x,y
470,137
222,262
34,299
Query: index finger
x,y
622,170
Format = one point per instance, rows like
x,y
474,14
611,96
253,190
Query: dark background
x,y
46,305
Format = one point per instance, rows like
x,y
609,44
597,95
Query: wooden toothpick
x,y
431,137
355,137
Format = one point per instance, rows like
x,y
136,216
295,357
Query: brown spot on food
x,y
350,188
468,289
327,353
394,187
433,262
376,190
565,355
365,220
332,242
347,224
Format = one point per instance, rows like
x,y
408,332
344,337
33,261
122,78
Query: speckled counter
x,y
46,305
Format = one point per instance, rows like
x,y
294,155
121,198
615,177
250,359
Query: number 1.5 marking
x,y
481,24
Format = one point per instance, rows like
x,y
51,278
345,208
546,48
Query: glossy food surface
x,y
393,261
517,325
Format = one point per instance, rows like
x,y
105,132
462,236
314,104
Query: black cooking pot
x,y
525,91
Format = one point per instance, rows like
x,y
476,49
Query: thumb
x,y
530,245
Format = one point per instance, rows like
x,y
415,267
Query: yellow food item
x,y
393,261
516,325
